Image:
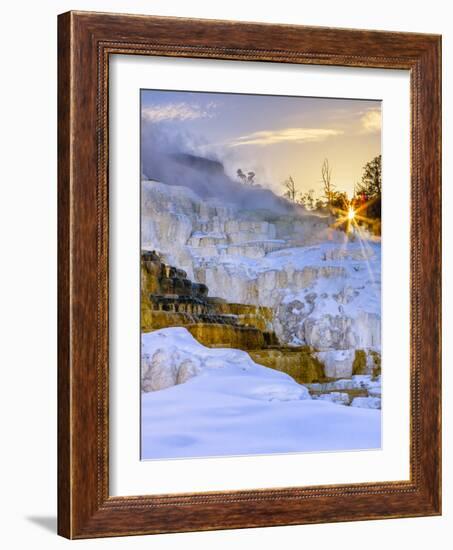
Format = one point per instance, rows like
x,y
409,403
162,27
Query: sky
x,y
274,136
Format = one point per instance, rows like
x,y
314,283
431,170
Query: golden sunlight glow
x,y
351,217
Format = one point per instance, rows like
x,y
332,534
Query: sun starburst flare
x,y
351,216
353,220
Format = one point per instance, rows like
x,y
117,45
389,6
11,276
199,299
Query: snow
x,y
230,405
357,290
339,286
211,234
336,397
358,381
366,402
337,363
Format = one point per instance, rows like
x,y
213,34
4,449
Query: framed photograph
x,y
249,275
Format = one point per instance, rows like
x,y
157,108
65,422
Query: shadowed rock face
x,y
203,164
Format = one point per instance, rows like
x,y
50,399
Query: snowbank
x,y
229,405
173,356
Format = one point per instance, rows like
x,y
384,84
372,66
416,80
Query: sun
x,y
351,213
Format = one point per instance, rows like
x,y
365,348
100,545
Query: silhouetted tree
x,y
250,177
372,177
319,204
308,199
370,189
326,174
339,200
291,191
240,174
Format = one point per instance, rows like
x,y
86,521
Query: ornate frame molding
x,y
86,40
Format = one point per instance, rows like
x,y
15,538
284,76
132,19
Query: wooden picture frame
x,y
85,42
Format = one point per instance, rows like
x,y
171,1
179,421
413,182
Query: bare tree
x,y
329,188
291,191
250,178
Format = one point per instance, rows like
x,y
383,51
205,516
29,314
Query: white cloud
x,y
371,121
269,137
177,111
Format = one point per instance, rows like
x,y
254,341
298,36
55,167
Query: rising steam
x,y
175,159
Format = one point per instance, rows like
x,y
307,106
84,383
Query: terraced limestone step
x,y
208,245
300,363
214,335
169,299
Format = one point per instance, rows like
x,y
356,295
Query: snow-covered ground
x,y
217,402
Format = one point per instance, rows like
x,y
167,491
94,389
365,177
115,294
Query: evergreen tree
x,y
370,188
371,183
